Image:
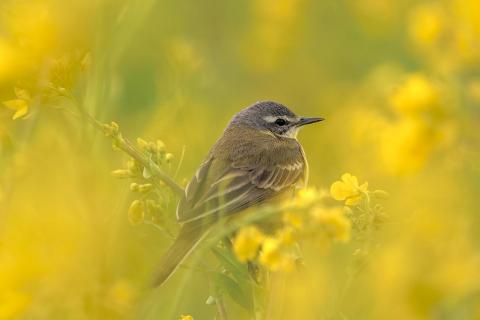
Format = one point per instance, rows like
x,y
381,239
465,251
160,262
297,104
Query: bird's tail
x,y
188,238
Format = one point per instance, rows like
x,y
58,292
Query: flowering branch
x,y
122,143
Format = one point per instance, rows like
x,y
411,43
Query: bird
x,y
257,159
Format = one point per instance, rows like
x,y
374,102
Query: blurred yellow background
x,y
397,80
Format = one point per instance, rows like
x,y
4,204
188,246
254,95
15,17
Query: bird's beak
x,y
304,121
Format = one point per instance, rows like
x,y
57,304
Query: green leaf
x,y
241,295
231,264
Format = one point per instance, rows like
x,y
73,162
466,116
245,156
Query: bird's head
x,y
272,117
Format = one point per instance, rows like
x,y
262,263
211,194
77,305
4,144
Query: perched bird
x,y
258,158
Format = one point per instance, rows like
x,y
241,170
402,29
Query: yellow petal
x,y
247,242
20,113
340,190
136,212
364,187
352,201
19,105
334,223
15,104
350,180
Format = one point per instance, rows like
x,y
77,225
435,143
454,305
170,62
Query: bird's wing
x,y
221,187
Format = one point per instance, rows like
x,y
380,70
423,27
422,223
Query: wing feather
x,y
222,186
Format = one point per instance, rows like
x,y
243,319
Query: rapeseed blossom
x,y
348,189
247,243
333,222
417,94
274,257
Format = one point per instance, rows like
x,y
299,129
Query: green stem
x,y
126,146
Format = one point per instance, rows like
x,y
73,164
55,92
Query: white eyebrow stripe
x,y
272,119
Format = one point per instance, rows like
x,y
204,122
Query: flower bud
x,y
136,212
381,194
161,146
111,129
144,188
142,144
168,157
121,173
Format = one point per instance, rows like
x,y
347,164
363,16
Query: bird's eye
x,y
280,122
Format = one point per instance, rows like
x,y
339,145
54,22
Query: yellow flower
x,y
293,219
185,317
427,23
406,146
13,304
169,157
121,295
19,105
334,222
273,257
136,212
348,189
416,94
287,235
303,198
247,242
185,55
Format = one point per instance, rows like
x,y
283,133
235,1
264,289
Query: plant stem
x,y
221,311
126,146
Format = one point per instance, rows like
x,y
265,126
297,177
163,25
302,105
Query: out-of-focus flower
x,y
293,219
287,236
8,60
473,90
272,32
427,22
185,55
169,157
304,198
334,222
12,304
416,94
406,145
465,46
377,16
185,317
437,273
136,212
247,242
120,296
348,189
273,257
